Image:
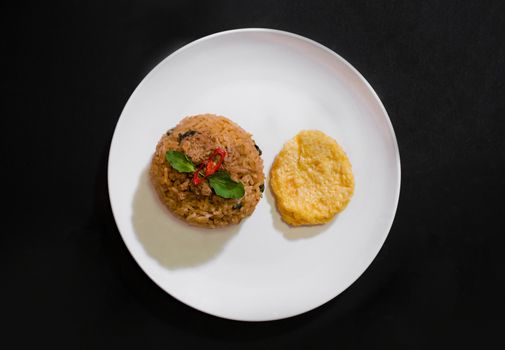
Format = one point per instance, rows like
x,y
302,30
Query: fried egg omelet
x,y
311,179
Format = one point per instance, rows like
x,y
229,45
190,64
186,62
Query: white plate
x,y
273,84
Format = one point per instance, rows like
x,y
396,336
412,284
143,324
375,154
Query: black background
x,y
68,69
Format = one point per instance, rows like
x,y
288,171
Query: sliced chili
x,y
196,176
211,165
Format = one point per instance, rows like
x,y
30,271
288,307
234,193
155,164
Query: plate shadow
x,y
169,240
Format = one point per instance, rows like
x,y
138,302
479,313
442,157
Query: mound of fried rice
x,y
198,136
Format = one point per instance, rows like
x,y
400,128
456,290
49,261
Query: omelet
x,y
311,179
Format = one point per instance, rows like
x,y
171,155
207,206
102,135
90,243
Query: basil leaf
x,y
224,186
180,162
258,149
186,134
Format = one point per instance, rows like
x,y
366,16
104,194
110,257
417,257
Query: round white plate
x,y
273,84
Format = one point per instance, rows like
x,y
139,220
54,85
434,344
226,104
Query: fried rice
x,y
197,137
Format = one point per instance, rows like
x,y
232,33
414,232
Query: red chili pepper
x,y
196,176
211,166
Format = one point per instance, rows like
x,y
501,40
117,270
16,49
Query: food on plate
x,y
311,179
208,171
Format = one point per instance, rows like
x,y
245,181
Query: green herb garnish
x,y
224,186
186,134
220,180
180,162
258,149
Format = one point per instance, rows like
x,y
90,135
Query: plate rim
x,y
298,37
